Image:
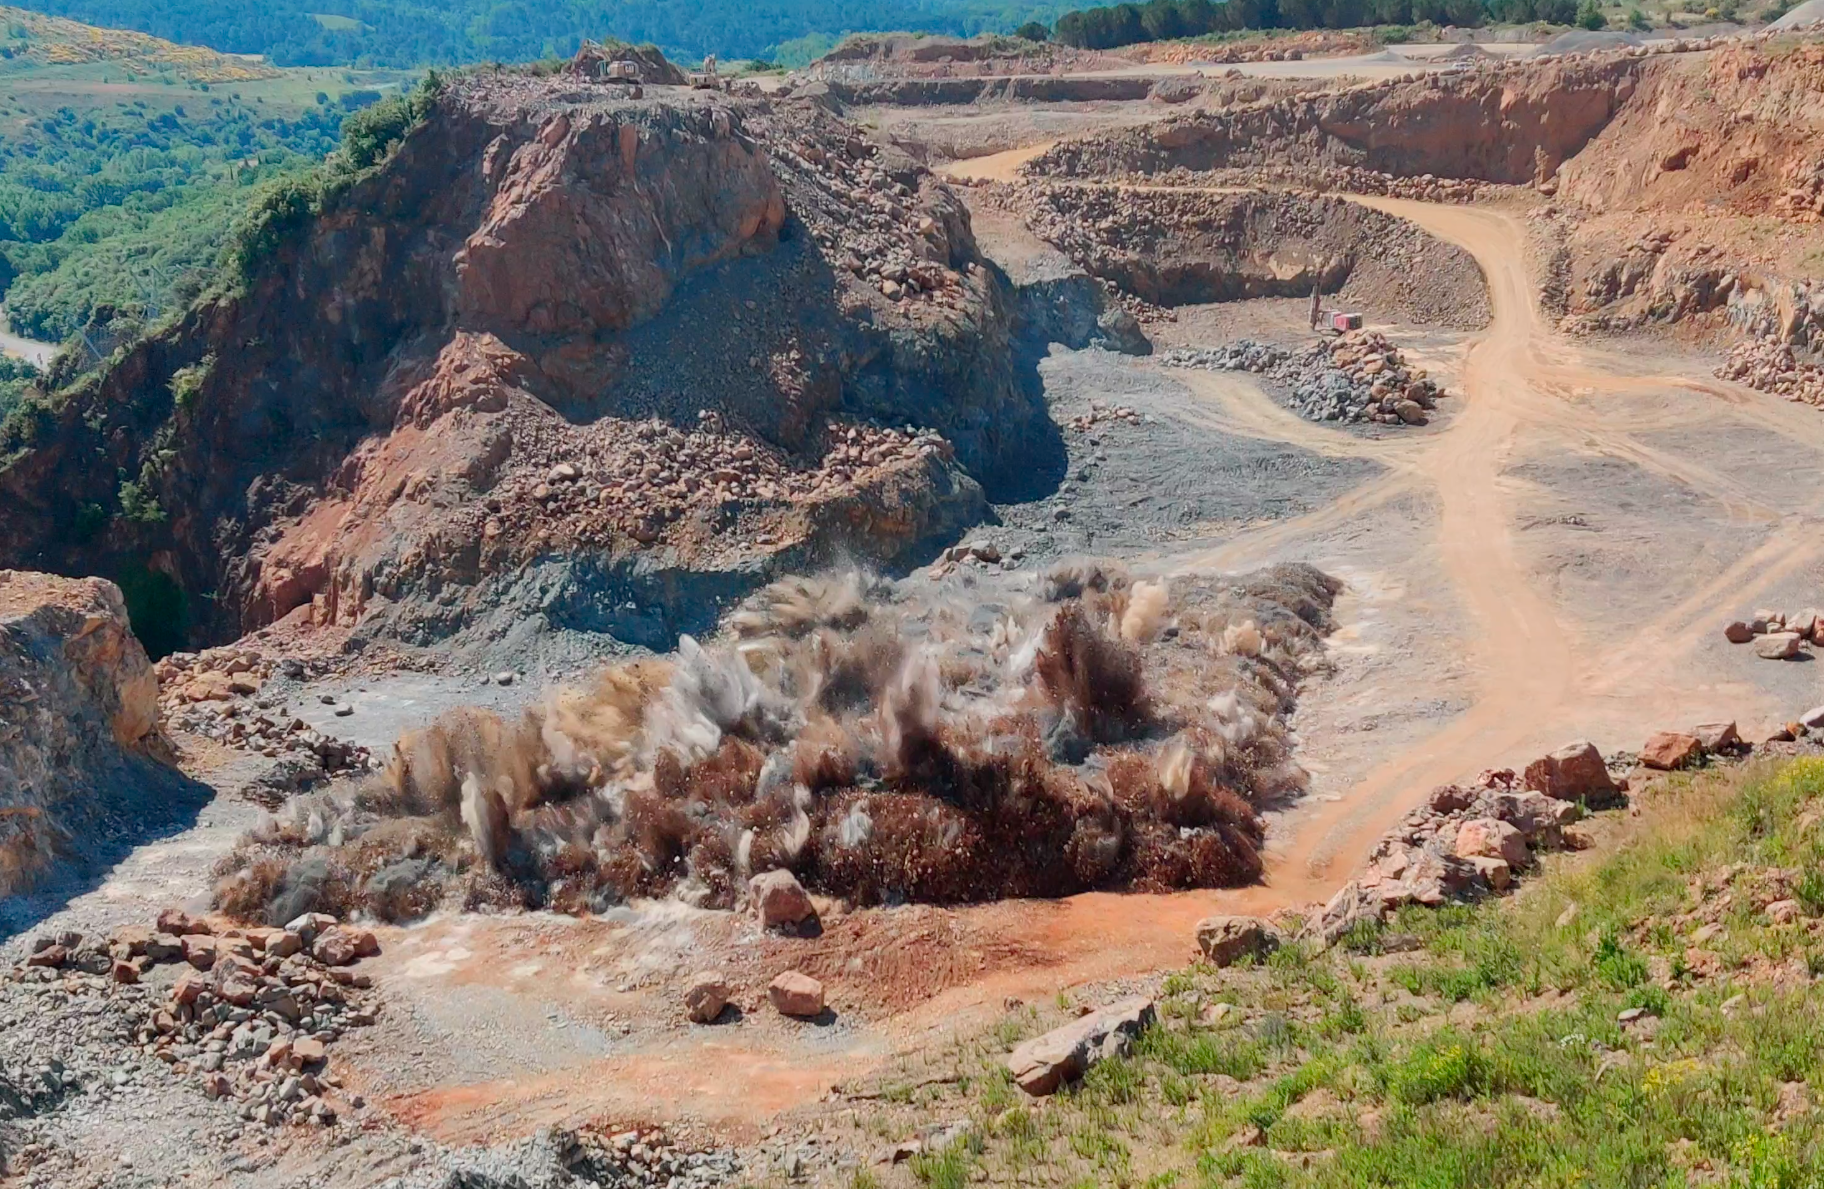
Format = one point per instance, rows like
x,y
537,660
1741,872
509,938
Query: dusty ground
x,y
1553,557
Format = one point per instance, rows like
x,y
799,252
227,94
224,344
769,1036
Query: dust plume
x,y
887,743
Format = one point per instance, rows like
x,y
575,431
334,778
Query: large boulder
x,y
1574,772
1044,1063
78,723
1225,940
1669,750
1487,837
780,901
796,994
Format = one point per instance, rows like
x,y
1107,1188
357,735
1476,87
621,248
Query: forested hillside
x,y
413,32
123,160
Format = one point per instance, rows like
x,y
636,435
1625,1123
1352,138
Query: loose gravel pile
x,y
1359,376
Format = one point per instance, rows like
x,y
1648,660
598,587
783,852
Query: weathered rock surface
x,y
1044,1063
79,725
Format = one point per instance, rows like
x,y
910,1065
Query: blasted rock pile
x,y
635,478
1359,376
1769,365
1461,843
220,694
560,1159
251,1015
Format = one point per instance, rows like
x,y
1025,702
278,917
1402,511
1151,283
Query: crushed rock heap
x,y
599,356
883,744
1356,376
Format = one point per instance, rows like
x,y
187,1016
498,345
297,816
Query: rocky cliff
x,y
596,354
1512,125
78,715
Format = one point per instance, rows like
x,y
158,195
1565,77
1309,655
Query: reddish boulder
x,y
795,994
1572,773
1669,750
780,901
343,946
1487,837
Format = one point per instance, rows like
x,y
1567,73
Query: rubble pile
x,y
1357,376
1462,843
618,478
646,1158
221,694
1468,842
1769,365
1103,414
251,1015
1778,635
891,235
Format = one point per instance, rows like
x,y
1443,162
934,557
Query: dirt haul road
x,y
1540,676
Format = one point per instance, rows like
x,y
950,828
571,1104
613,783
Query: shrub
x,y
275,217
1445,1067
1032,31
187,382
1589,15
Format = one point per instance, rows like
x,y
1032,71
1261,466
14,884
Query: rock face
x,y
1488,125
1045,1063
80,716
1225,940
568,358
1170,249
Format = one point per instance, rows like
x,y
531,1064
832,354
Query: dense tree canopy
x,y
1160,20
415,33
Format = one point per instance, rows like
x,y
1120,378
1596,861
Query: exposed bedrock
x,y
667,345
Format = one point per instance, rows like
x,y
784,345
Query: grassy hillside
x,y
123,160
412,32
1635,1016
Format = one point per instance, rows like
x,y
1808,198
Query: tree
x,y
1032,31
1590,16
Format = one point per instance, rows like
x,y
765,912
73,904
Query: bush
x,y
1446,1067
1032,31
1590,16
272,220
187,382
370,135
